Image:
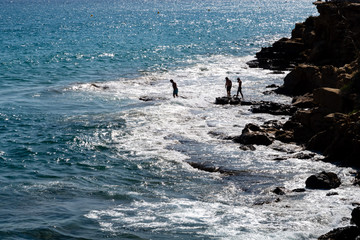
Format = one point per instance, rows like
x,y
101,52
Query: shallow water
x,y
80,161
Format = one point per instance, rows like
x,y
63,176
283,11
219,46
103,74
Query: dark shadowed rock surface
x,y
253,134
323,180
355,214
344,233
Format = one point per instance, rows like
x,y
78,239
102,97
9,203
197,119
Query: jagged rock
x,y
344,233
355,216
323,180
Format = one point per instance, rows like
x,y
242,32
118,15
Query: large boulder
x,y
323,180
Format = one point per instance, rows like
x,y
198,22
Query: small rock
x,y
279,191
299,190
247,147
332,194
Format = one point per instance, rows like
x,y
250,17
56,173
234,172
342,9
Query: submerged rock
x,y
323,180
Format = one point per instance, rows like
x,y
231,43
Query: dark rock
x,y
284,136
222,100
279,191
253,134
357,179
247,147
274,108
304,155
344,233
303,101
299,190
355,216
332,194
323,180
226,100
272,86
148,98
208,168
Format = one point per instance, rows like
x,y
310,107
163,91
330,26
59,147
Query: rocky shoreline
x,y
323,56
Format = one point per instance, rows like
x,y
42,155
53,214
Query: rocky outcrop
x,y
323,180
323,53
344,233
331,38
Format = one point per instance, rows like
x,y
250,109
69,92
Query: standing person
x,y
228,85
239,89
175,89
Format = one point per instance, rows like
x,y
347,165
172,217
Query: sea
x,y
94,146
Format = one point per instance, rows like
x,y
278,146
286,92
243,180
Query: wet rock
x,y
323,180
247,147
213,169
304,155
299,190
279,191
272,86
253,134
332,194
344,233
274,108
355,216
149,99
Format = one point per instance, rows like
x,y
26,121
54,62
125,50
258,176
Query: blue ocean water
x,y
82,157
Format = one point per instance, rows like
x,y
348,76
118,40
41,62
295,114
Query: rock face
x,y
324,55
323,180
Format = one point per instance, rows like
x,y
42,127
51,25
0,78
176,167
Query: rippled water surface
x,y
83,158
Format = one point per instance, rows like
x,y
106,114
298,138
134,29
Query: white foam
x,y
154,130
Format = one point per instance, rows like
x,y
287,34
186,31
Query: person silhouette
x,y
175,88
